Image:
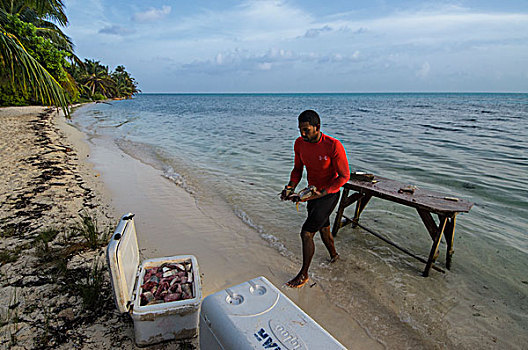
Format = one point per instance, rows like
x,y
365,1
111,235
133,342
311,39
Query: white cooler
x,y
256,315
152,323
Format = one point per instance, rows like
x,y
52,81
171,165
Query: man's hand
x,y
287,192
315,195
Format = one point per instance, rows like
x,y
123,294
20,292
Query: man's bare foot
x,y
334,258
298,281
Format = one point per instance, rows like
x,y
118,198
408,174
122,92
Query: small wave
x,y
247,220
177,179
469,186
437,127
468,126
128,120
272,240
275,243
122,123
503,119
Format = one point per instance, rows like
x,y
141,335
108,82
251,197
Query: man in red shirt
x,y
327,166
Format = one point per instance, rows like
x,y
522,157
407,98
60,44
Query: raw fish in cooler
x,y
166,283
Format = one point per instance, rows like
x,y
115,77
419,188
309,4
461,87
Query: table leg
x,y
429,222
436,243
361,204
340,210
450,238
345,202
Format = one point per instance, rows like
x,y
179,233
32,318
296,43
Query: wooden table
x,y
425,202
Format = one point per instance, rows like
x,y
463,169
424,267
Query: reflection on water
x,y
238,149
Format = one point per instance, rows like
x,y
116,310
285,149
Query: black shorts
x,y
319,211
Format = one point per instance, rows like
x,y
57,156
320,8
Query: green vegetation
x,y
89,230
54,250
90,288
11,255
38,65
6,230
8,256
44,238
55,246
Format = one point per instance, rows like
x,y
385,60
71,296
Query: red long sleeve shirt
x,y
326,163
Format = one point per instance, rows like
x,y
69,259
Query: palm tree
x,y
42,14
23,72
21,69
20,72
126,86
97,79
32,10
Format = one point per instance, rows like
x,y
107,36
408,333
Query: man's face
x,y
309,132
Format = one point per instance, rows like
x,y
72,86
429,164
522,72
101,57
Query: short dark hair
x,y
311,117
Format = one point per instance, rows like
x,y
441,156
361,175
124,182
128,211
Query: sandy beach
x,y
45,263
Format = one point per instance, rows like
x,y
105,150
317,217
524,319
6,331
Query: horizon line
x,y
331,93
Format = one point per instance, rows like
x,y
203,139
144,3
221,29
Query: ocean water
x,y
238,149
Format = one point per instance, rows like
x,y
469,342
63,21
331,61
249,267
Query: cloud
x,y
424,70
152,14
314,32
249,21
253,25
265,66
284,38
239,60
361,30
219,59
441,27
116,30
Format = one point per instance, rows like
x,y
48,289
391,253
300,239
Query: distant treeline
x,y
38,64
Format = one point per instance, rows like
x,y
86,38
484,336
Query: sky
x,y
281,46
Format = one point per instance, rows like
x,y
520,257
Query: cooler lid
x,y
122,254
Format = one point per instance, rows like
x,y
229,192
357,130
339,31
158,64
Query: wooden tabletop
x,y
434,202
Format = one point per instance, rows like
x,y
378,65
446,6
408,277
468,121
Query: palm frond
x,y
50,31
52,10
27,74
